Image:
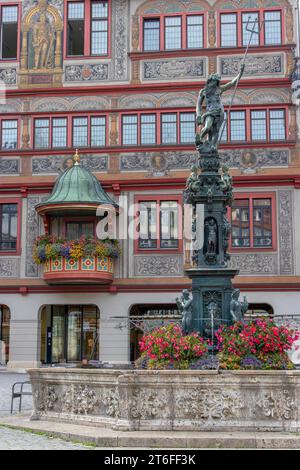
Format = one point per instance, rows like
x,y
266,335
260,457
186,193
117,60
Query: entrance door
x,y
58,334
4,333
71,332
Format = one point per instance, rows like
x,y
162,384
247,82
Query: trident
x,y
251,31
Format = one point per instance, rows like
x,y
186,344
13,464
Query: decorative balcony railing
x,y
85,270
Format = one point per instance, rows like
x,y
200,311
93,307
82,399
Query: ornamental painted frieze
x,y
159,265
252,160
160,164
56,163
254,263
120,40
86,73
9,267
8,76
173,69
157,164
256,65
285,222
10,166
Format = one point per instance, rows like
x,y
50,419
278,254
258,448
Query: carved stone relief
x,y
8,75
9,267
254,263
255,65
173,69
86,73
9,166
158,265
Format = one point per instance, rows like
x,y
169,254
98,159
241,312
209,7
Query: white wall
x,y
114,332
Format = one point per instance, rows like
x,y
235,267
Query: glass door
x,y
58,334
74,336
4,332
89,333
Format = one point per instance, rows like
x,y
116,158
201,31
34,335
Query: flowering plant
x,y
49,247
259,344
166,347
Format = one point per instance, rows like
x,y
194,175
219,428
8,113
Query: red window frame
x,y
158,199
19,6
18,202
228,142
158,126
248,123
87,31
250,197
10,118
261,12
183,29
69,118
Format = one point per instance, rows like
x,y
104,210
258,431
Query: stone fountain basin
x,y
169,400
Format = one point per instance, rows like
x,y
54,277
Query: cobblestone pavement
x,y
7,379
11,439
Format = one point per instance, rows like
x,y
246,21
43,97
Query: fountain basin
x,y
169,400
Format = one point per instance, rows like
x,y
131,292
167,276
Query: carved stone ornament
x,y
187,400
41,46
79,399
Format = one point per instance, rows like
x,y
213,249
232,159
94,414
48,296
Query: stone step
x,y
107,438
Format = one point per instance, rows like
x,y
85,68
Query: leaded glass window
x,y
259,125
195,34
173,32
169,128
41,133
148,129
9,138
237,126
228,29
59,132
98,131
80,132
152,34
187,128
273,27
8,227
277,124
130,130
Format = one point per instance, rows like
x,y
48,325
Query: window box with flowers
x,y
86,260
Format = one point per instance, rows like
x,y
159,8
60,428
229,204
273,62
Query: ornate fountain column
x,y
209,188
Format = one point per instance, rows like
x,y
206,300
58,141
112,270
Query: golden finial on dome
x,y
76,158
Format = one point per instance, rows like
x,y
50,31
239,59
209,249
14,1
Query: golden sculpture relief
x,y
42,42
41,49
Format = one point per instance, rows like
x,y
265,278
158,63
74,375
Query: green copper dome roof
x,y
77,186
